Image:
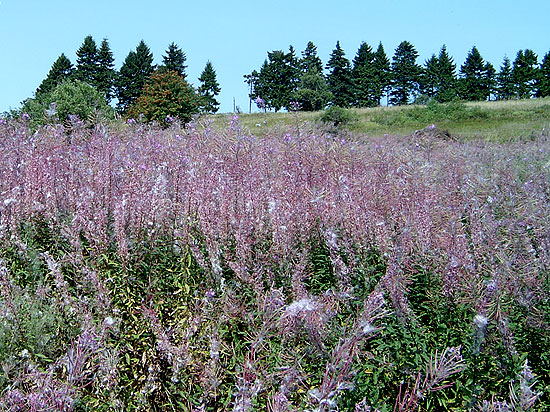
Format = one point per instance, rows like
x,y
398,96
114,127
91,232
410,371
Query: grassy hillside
x,y
495,121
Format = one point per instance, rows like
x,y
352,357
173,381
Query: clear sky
x,y
236,35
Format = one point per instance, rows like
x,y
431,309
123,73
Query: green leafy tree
x,y
61,69
543,80
106,73
506,87
277,79
209,89
365,78
339,78
166,96
70,97
312,93
310,61
475,77
446,77
174,60
405,74
87,62
525,72
135,71
382,71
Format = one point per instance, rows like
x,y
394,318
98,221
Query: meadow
x,y
268,262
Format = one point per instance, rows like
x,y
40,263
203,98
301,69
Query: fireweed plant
x,y
196,269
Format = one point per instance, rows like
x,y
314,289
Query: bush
x,y
166,96
70,97
338,116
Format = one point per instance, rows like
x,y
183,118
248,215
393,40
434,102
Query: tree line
x,y
139,87
285,80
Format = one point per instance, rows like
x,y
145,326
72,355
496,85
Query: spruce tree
x,y
135,71
277,79
61,69
405,74
364,77
209,89
446,77
310,62
339,78
525,73
543,79
475,81
382,73
87,62
174,60
506,88
429,77
106,73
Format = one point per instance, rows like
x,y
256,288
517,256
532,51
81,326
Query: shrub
x,y
338,116
166,96
70,97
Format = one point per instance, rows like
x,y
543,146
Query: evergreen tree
x,y
87,62
209,89
135,71
277,79
61,69
524,73
429,77
475,81
543,80
365,78
174,60
339,78
446,77
310,62
382,73
506,88
405,74
106,72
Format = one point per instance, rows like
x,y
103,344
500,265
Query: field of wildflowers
x,y
202,269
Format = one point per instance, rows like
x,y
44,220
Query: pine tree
x,y
405,74
339,78
310,62
446,78
135,71
365,77
506,88
61,69
524,73
209,89
543,80
106,73
382,73
87,62
475,81
174,60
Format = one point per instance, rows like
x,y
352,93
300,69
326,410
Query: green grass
x,y
497,121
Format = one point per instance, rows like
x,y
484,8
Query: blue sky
x,y
235,36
